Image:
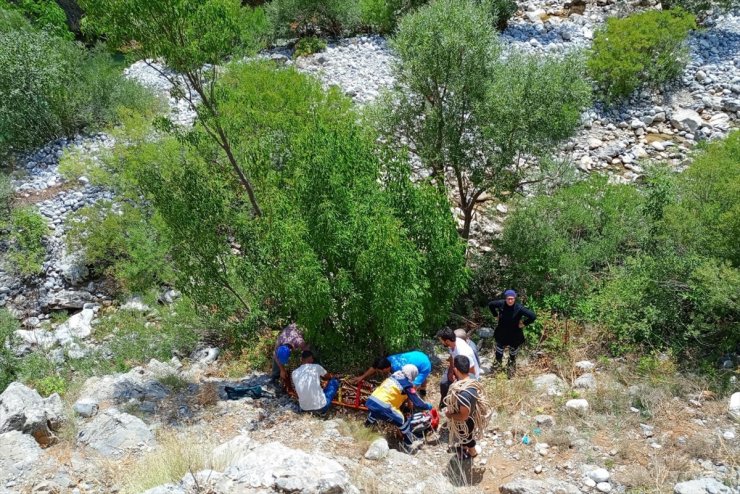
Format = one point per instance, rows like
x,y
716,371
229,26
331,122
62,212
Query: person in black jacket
x,y
512,317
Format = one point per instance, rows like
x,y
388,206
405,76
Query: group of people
x,y
462,396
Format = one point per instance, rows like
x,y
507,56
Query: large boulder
x,y
19,455
140,384
232,451
550,384
734,408
532,486
274,467
687,120
67,299
113,433
706,485
77,327
23,409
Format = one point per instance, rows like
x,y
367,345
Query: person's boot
x,y
511,367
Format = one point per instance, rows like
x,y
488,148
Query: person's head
x,y
283,354
510,297
447,337
410,371
382,364
462,334
461,366
307,357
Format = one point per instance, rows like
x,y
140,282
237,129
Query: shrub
x,y
555,245
500,10
701,8
383,15
309,17
27,249
644,49
50,87
122,243
45,14
309,46
6,197
8,360
331,250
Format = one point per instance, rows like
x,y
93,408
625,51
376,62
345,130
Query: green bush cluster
x,y
383,15
354,252
644,49
51,87
657,265
8,360
44,14
308,46
310,17
27,250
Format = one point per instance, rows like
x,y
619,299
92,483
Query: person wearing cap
x,y
307,384
289,339
456,346
512,318
394,363
385,402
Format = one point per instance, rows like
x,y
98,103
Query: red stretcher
x,y
349,395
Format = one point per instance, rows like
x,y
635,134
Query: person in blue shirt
x,y
394,363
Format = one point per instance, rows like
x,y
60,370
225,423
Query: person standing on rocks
x,y
307,384
467,410
512,318
289,339
456,346
385,403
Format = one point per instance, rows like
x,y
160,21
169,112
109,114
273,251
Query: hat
x,y
410,371
283,354
509,293
461,333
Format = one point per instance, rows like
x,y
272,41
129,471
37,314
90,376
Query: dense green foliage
x,y
355,253
45,14
309,17
383,15
26,241
644,49
656,265
466,110
51,87
8,361
6,197
701,8
500,10
308,46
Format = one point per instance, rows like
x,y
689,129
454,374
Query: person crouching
x,y
385,403
307,384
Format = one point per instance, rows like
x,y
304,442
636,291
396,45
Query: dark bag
x,y
238,392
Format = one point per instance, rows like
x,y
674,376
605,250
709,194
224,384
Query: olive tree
x,y
191,37
469,112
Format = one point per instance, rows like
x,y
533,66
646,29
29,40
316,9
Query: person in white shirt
x,y
307,384
456,346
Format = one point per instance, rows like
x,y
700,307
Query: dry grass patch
x,y
173,457
362,436
207,395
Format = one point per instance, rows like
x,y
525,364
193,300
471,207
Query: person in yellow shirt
x,y
385,402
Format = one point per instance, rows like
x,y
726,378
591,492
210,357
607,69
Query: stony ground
x,y
639,432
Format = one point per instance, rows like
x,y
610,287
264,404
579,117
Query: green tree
x,y
27,249
465,110
192,38
356,253
644,49
45,14
311,17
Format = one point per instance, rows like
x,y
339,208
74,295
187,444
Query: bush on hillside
x,y
383,15
8,360
50,87
6,197
27,252
554,246
44,14
309,46
311,17
645,49
657,265
500,10
334,249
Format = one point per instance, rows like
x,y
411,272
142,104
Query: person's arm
x,y
461,415
528,316
495,306
450,372
368,373
415,400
